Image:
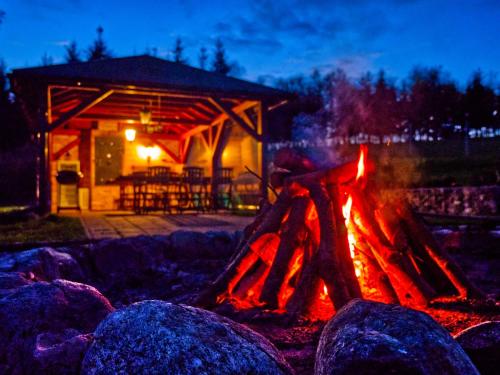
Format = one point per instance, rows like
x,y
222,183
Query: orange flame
x,y
286,289
361,162
346,211
324,293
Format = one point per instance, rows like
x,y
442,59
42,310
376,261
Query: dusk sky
x,y
268,38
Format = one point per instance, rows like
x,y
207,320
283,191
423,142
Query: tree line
x,y
99,50
428,104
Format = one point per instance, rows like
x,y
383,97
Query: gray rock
x,y
157,337
11,281
45,308
482,343
127,259
367,337
44,263
60,353
196,245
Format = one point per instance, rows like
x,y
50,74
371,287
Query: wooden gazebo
x,y
79,113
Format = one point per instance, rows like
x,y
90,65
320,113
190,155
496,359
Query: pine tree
x,y
98,50
178,52
203,58
3,80
47,60
72,53
220,64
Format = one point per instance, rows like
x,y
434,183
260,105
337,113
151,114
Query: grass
x,y
487,223
427,164
51,228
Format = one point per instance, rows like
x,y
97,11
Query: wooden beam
x,y
204,139
185,146
167,150
66,148
228,111
237,109
249,121
79,109
107,116
194,131
71,131
263,118
219,130
217,154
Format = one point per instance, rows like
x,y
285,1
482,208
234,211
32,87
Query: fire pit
x,y
331,237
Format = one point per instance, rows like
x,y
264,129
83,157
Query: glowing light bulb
x,y
130,134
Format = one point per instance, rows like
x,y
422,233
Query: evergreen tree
x,y
178,52
220,64
3,80
14,130
479,102
72,53
98,50
203,58
47,60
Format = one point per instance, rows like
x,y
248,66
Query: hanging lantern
x,y
145,116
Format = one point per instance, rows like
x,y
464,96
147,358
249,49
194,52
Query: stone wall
x,y
466,201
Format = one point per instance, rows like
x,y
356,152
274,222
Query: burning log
x,y
330,234
292,237
452,270
270,223
342,244
375,276
328,268
307,285
411,288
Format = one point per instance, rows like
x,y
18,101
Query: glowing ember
x,y
324,293
331,230
286,289
352,243
313,214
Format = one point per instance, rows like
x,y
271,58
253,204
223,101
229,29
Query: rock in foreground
x,y
39,311
374,338
482,343
160,337
43,263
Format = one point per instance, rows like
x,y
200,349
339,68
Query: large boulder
x,y
197,245
367,337
43,263
60,353
482,343
126,260
11,281
45,308
159,337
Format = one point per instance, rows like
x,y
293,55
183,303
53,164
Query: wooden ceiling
x,y
176,113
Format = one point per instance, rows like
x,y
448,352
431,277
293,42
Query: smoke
x,y
350,116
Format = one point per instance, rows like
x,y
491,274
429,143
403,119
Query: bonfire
x,y
330,237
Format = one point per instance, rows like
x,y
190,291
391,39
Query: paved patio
x,y
118,225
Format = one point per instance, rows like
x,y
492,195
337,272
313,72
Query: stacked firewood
x,y
330,232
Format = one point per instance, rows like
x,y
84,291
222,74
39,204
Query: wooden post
x,y
84,157
264,141
42,178
219,144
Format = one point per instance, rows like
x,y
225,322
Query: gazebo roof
x,y
151,72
